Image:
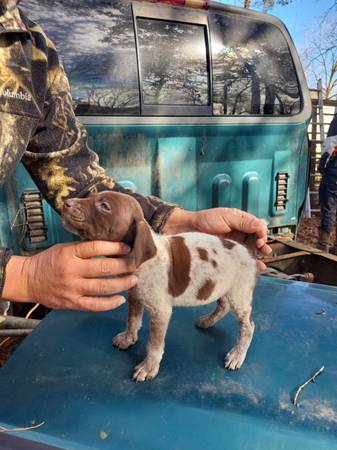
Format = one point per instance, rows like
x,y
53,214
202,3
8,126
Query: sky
x,y
298,16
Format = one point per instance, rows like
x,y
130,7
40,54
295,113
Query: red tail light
x,y
189,3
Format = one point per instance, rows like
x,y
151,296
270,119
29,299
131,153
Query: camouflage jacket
x,y
38,125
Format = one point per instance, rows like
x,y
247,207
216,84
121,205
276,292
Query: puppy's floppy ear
x,y
144,247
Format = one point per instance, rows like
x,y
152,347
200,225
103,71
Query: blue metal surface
x,y
184,164
67,374
196,167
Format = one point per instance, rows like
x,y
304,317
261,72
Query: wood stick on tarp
x,y
17,322
12,430
310,380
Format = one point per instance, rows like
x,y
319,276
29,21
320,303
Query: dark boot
x,y
323,240
333,249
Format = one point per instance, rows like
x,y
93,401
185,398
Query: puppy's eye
x,y
104,206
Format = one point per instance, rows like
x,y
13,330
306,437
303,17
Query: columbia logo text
x,y
18,95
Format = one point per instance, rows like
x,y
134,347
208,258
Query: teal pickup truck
x,y
204,105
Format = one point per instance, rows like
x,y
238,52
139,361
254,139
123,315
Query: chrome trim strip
x,y
215,120
169,12
174,110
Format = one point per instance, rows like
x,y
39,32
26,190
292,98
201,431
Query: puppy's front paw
x,y
123,340
234,358
146,370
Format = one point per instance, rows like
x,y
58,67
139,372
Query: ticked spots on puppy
x,y
206,290
203,254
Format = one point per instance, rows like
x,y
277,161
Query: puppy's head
x,y
110,216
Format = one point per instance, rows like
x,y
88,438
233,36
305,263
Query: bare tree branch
x,y
319,56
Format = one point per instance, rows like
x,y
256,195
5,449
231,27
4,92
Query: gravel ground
x,y
308,231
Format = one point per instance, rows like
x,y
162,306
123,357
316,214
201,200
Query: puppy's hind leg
x,y
236,356
212,318
130,336
159,321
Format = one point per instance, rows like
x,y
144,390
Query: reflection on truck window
x,y
173,63
95,39
253,72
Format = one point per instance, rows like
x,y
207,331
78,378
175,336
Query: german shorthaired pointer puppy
x,y
187,269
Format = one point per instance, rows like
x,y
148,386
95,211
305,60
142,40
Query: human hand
x,y
237,225
65,276
228,223
233,224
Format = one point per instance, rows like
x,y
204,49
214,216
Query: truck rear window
x,y
169,71
253,71
173,63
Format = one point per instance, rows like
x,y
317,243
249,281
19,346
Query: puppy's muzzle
x,y
72,211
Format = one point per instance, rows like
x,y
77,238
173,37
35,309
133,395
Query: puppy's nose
x,y
69,203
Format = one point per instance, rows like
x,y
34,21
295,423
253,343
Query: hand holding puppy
x,y
65,276
229,223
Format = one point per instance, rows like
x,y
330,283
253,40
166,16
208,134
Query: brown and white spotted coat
x,y
187,269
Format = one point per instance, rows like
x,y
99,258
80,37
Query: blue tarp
x,y
67,374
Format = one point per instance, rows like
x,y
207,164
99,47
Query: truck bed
x,y
67,375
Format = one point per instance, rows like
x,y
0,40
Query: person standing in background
x,y
328,189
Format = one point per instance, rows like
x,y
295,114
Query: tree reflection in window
x,y
253,72
173,63
95,40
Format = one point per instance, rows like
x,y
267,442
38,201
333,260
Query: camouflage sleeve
x,y
15,133
61,163
19,111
